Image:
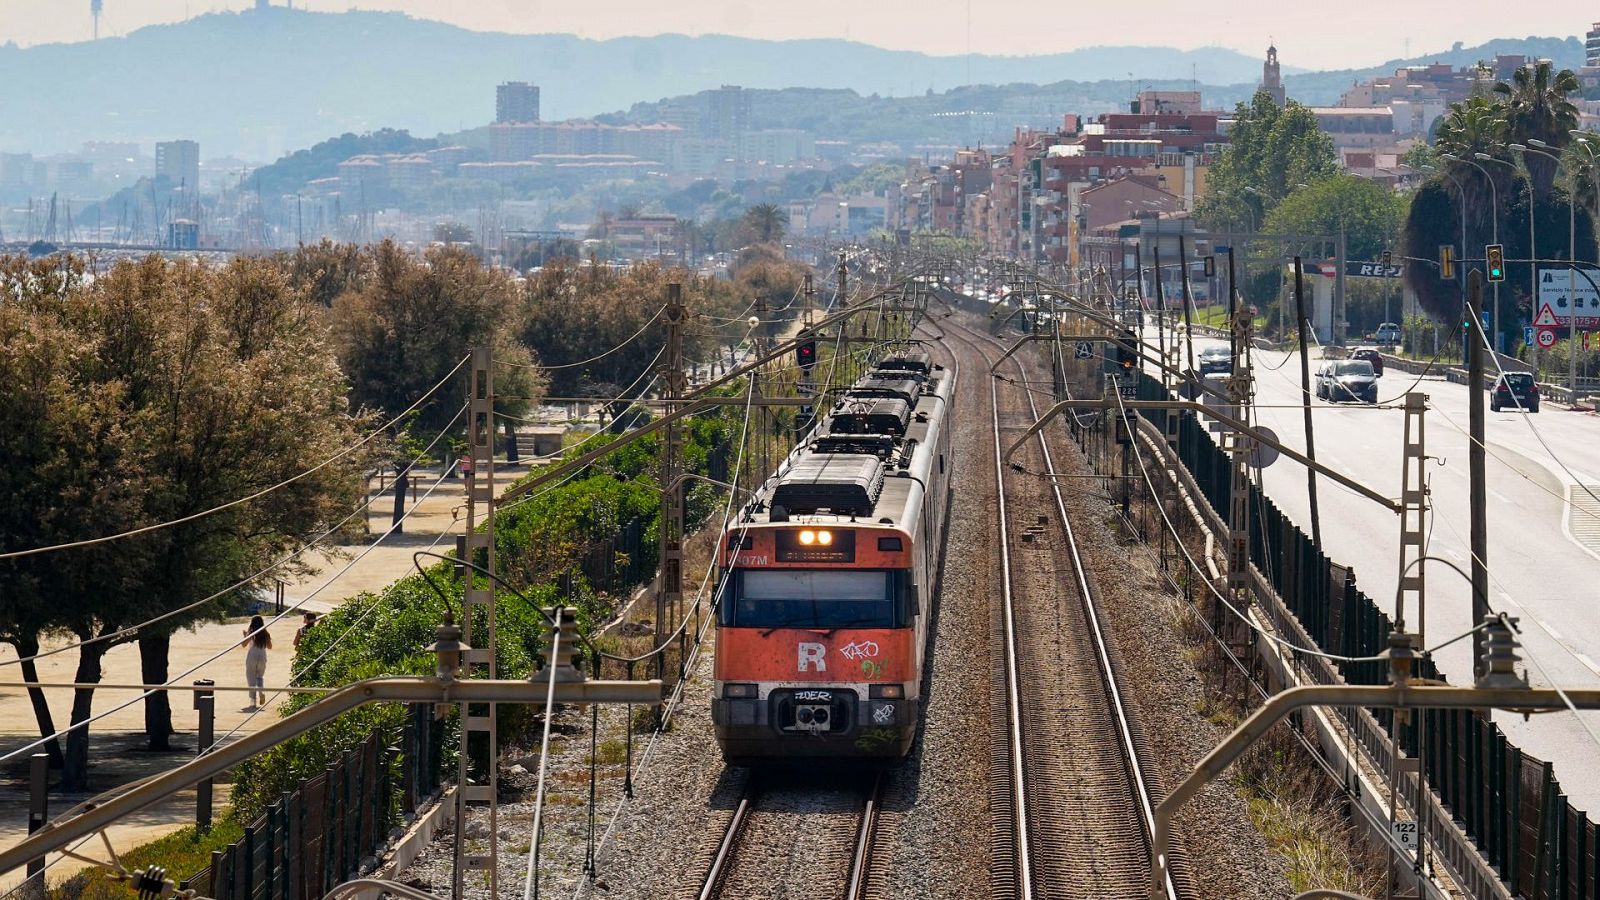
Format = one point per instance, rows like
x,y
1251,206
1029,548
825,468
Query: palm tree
x,y
1583,163
766,222
1475,125
1536,108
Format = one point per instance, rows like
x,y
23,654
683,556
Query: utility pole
x,y
1301,324
1413,537
479,731
1476,461
1161,317
810,300
1239,446
670,597
844,282
1188,303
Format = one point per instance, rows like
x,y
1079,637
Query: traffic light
x,y
1387,258
1211,267
1496,256
1447,262
805,353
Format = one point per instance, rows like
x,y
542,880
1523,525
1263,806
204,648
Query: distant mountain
x,y
1321,88
261,82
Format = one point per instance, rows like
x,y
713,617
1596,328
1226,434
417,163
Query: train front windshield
x,y
812,598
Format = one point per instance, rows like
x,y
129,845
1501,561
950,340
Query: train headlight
x,y
808,537
824,538
886,691
734,689
803,715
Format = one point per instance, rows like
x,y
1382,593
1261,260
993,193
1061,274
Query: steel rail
x,y
730,840
1145,802
1021,829
1119,710
860,862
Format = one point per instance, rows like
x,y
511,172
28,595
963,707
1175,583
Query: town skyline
x,y
943,27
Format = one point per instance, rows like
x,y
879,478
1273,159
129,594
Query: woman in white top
x,y
255,661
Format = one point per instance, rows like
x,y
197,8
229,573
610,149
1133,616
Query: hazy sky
x,y
1310,35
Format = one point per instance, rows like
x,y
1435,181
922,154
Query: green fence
x,y
1506,801
317,836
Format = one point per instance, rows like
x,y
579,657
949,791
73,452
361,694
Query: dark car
x,y
1347,379
1215,359
1371,356
1517,390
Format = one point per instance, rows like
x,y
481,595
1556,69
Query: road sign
x,y
1582,299
1358,269
1126,387
1546,317
1262,454
1404,834
1527,335
1546,338
1083,350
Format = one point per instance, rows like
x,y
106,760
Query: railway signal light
x,y
805,353
1128,352
1496,256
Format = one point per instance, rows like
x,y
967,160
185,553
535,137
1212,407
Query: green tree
x,y
190,387
1270,150
1366,211
411,319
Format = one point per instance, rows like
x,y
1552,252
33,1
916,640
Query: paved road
x,y
1538,572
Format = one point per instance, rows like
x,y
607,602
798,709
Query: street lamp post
x,y
1461,274
1494,221
1572,270
1533,244
1496,191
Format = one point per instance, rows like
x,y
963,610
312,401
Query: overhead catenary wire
x,y
593,359
349,629
146,529
288,610
244,582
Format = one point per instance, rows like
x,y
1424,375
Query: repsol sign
x,y
1358,269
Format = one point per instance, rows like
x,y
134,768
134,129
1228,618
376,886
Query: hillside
x,y
262,82
1319,88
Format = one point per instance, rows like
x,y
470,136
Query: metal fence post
x,y
221,888
38,809
205,703
410,759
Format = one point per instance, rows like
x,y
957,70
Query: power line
x,y
258,494
583,362
393,529
309,545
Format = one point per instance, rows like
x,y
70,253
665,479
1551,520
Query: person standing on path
x,y
259,641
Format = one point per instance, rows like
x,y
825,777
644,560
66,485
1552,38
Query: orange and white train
x,y
828,577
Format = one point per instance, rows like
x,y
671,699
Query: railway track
x,y
840,866
1071,793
